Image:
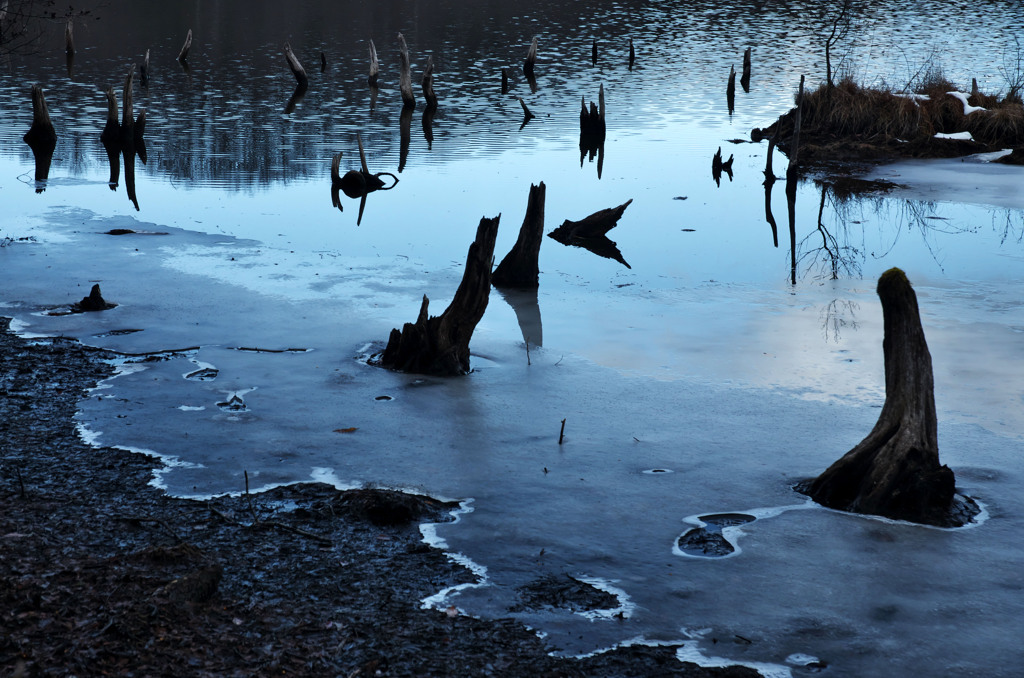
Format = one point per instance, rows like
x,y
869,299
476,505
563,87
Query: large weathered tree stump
x,y
895,471
440,344
520,268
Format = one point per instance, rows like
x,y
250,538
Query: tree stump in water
x,y
531,59
440,344
405,74
895,471
41,136
520,267
93,302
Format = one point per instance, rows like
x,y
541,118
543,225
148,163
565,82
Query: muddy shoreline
x,y
101,573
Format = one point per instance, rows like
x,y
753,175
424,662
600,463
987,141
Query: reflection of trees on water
x,y
838,315
836,248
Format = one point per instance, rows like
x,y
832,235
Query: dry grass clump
x,y
849,110
854,115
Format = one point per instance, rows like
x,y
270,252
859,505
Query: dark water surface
x,y
723,365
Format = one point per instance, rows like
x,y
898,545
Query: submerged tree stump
x,y
183,54
745,78
374,75
531,59
895,471
41,136
428,84
405,74
520,268
92,303
296,66
439,345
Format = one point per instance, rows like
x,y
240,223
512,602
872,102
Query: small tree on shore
x,y
838,21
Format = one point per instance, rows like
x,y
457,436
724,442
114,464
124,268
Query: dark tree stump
x,y
93,302
439,345
590,233
428,85
520,267
530,62
183,54
41,136
405,74
296,66
895,471
371,80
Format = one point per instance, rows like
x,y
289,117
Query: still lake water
x,y
700,380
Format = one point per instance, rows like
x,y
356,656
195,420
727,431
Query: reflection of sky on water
x,y
701,359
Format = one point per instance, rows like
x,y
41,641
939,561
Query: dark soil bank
x,y
102,574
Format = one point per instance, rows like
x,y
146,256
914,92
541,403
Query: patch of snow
x,y
968,109
958,136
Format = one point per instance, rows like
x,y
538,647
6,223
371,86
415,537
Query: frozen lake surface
x,y
705,379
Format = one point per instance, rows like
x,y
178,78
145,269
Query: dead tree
x,y
440,344
531,58
632,54
296,67
144,71
593,53
504,80
183,54
69,37
794,152
520,268
371,80
895,471
428,85
405,74
744,79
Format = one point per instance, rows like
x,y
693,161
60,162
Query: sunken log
x,y
428,84
93,302
183,54
520,268
895,471
745,77
439,345
371,80
531,58
296,67
597,224
405,74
